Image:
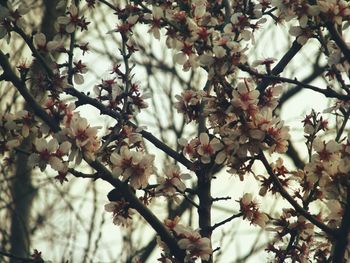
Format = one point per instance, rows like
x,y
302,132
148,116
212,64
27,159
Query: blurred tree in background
x,y
169,119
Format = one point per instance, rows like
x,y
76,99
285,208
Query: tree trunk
x,y
22,189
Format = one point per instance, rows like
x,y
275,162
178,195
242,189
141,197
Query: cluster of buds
x,y
115,96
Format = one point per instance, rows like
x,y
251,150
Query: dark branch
x,y
295,48
9,75
341,242
291,200
328,92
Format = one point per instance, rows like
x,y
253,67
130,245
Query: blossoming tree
x,y
235,112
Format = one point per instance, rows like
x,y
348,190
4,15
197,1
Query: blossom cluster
x,y
122,212
249,209
11,16
171,185
133,166
84,137
72,21
75,129
202,148
190,240
321,183
242,122
75,140
50,152
290,224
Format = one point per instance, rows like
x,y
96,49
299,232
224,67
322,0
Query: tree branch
x,y
338,39
9,75
205,203
294,49
291,200
328,92
341,241
87,100
135,203
293,91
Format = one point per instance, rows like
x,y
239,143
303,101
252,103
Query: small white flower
x,y
206,148
122,213
48,152
71,21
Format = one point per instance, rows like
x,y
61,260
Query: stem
x,y
70,58
226,221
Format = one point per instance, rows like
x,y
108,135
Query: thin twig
x,y
226,221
